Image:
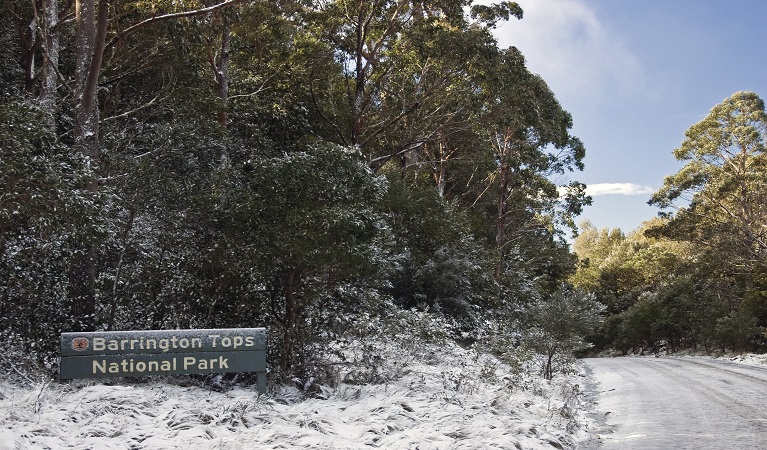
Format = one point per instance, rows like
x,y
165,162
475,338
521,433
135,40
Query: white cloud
x,y
581,59
598,189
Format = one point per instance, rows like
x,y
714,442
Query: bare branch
x,y
377,163
127,113
388,124
196,12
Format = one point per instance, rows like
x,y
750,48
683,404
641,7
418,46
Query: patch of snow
x,y
461,400
751,359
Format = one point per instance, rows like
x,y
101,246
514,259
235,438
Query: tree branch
x,y
377,163
132,111
133,28
388,124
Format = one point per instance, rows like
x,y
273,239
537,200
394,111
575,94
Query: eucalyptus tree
x,y
403,88
308,224
35,49
526,131
402,65
720,197
723,185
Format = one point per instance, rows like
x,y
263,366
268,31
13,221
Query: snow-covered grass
x,y
455,399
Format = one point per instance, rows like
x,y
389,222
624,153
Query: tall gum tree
x,y
392,77
529,134
723,184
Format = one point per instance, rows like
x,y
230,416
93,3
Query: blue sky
x,y
635,75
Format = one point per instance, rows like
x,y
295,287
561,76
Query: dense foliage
x,y
694,278
312,167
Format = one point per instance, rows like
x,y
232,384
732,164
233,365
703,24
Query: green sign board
x,y
165,352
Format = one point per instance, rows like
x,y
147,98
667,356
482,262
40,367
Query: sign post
x,y
165,352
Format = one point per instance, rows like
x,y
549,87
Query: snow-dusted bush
x,y
21,363
42,206
558,327
361,336
381,348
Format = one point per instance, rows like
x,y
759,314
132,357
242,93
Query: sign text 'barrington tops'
x,y
166,352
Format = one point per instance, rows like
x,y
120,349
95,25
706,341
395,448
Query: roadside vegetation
x,y
350,175
337,172
695,277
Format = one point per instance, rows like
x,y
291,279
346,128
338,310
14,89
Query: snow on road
x,y
680,403
461,401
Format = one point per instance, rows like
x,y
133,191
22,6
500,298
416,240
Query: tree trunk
x,y
360,78
290,322
222,72
90,37
28,37
118,269
548,370
500,224
49,89
438,167
90,44
82,276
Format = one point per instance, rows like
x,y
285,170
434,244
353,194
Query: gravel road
x,y
678,403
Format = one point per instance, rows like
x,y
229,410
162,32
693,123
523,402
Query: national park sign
x,y
166,352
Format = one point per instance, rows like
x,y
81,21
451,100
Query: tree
x,y
527,131
724,185
310,225
593,247
402,64
439,264
559,326
725,182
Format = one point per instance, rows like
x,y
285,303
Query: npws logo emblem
x,y
80,344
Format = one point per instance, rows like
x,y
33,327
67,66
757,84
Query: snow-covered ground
x,y
456,400
679,402
752,359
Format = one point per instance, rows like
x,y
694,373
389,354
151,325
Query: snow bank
x,y
752,359
460,401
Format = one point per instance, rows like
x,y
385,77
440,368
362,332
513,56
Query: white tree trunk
x,y
49,89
